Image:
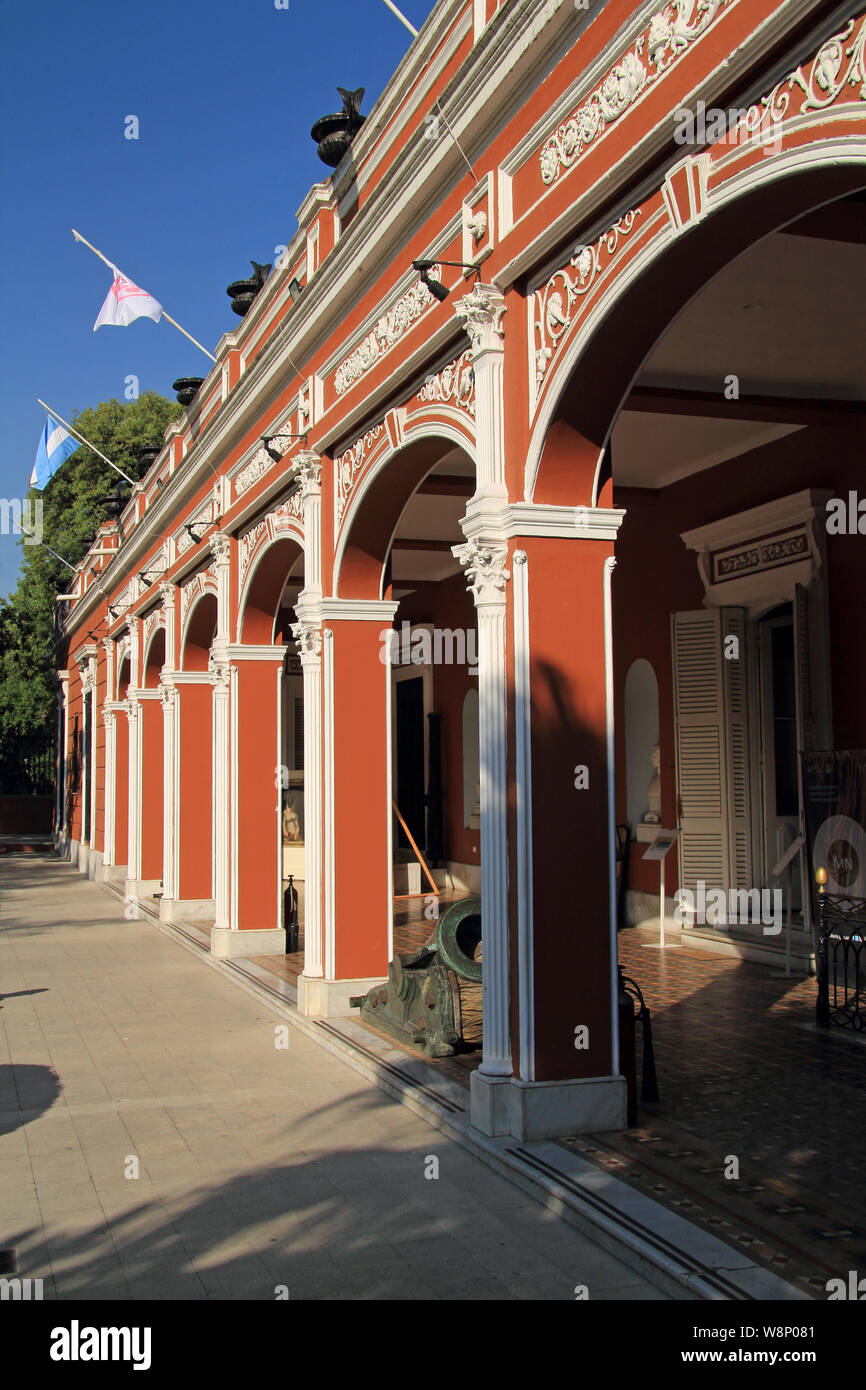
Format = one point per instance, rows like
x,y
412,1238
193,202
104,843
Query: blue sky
x,y
225,92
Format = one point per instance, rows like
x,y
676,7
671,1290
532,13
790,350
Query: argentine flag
x,y
55,446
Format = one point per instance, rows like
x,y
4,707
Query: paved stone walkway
x,y
257,1166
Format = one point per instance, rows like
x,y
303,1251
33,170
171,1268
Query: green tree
x,y
82,494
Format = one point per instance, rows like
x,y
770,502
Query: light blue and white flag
x,y
55,446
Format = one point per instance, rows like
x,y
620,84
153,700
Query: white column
x,y
221,676
308,635
170,839
133,710
218,666
170,765
484,558
108,718
63,749
487,576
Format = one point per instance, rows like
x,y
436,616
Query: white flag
x,y
126,302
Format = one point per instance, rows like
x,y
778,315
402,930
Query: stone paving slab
x,y
155,1143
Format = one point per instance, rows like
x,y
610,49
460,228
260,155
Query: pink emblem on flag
x,y
125,302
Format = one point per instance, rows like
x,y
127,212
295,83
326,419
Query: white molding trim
x,y
328,917
563,523
524,797
357,610
610,753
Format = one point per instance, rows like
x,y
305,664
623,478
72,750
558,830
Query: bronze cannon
x,y
432,998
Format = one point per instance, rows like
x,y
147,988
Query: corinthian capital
x,y
481,314
220,547
306,469
486,574
308,636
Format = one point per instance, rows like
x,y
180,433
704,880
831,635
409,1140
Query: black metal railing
x,y
27,766
841,962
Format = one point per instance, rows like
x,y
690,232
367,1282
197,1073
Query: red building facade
x,y
567,486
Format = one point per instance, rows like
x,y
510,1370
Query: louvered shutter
x,y
700,747
737,739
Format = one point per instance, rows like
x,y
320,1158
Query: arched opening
x,y
152,771
121,766
271,745
720,405
400,548
194,828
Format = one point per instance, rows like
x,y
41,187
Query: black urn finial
x,y
334,134
243,292
186,387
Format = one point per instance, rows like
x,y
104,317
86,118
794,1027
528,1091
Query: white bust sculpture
x,y
654,792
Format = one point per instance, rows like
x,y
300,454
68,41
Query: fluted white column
x,y
484,559
133,710
487,576
221,676
170,837
308,635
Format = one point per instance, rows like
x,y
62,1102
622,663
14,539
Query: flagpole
x,y
48,548
403,20
112,266
66,425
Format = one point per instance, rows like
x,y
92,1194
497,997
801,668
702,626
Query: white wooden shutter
x,y
735,688
700,748
712,737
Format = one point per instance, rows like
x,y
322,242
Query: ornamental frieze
x,y
837,70
262,461
388,331
761,555
204,517
557,305
453,385
349,465
204,581
659,45
287,516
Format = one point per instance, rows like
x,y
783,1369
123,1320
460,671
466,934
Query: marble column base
x,y
318,998
186,909
264,941
545,1109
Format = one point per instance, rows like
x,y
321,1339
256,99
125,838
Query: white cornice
x,y
562,523
760,521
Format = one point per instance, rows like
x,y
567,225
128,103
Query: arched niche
x,y
641,737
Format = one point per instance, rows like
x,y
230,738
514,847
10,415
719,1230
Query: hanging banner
x,y
834,792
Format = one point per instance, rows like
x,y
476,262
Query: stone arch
x,y
374,512
271,562
154,658
665,260
198,633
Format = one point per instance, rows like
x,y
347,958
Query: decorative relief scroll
x,y
765,554
838,68
262,461
659,45
247,544
388,330
349,465
203,518
556,303
453,385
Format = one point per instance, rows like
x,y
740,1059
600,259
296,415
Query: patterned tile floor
x,y
743,1072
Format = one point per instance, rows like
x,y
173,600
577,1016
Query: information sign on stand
x,y
664,841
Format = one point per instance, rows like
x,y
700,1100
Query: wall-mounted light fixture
x,y
434,286
188,527
296,289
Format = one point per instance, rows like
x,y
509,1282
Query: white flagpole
x,y
66,425
402,18
112,266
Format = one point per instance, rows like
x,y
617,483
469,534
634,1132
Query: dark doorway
x,y
410,760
